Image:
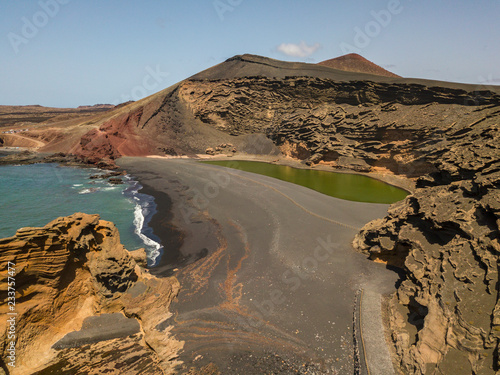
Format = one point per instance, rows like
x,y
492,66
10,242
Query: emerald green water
x,y
347,186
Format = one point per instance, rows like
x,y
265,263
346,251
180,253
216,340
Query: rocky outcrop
x,y
223,148
82,303
445,316
405,128
31,157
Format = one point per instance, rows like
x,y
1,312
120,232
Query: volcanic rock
x,y
445,315
115,181
71,277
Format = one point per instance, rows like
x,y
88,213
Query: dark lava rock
x,y
115,181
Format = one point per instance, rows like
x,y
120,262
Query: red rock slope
x,y
356,63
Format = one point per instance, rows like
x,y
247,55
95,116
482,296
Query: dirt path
x,y
17,140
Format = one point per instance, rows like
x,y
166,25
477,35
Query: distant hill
x,y
97,106
356,63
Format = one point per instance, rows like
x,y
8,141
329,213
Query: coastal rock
x,y
353,164
444,317
30,157
68,276
107,175
139,256
115,181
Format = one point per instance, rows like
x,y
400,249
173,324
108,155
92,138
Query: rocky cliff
x,y
407,129
445,317
82,303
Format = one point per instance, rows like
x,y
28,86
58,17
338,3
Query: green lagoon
x,y
347,186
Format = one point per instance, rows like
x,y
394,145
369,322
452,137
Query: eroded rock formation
x,y
83,304
445,317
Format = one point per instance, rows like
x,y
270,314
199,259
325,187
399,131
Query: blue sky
x,y
65,53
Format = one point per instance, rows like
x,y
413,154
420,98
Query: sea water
x,y
34,195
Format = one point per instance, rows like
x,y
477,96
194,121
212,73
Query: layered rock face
x,y
445,317
83,304
407,129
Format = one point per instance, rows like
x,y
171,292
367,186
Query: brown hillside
x,y
356,63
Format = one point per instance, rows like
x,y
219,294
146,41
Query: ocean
x,y
34,195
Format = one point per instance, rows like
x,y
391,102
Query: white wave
x,y
88,191
77,185
139,215
143,206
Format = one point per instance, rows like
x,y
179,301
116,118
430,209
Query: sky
x,y
66,53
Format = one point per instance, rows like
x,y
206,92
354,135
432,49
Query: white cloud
x,y
298,50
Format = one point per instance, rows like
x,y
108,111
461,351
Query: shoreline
x,y
140,235
172,233
398,181
171,237
35,156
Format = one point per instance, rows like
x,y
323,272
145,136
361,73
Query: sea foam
x,y
145,208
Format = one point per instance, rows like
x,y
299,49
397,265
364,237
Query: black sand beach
x,y
267,269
